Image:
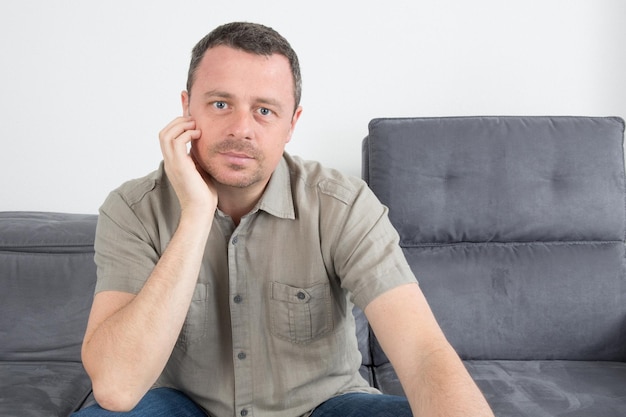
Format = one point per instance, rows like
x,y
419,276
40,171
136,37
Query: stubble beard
x,y
235,175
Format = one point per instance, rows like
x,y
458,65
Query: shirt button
x,y
235,240
238,299
244,413
301,295
241,355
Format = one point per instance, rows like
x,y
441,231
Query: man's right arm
x,y
129,338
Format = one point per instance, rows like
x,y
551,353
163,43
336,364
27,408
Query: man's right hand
x,y
194,187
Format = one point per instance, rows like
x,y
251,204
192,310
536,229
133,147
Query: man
x,y
226,278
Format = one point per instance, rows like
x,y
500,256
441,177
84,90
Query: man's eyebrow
x,y
269,101
217,93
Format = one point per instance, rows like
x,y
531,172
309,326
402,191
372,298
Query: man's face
x,y
243,104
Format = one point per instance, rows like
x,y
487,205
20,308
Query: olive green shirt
x,y
269,331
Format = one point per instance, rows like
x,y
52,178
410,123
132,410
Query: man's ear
x,y
294,121
184,98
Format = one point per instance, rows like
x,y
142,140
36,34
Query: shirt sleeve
x,y
124,252
367,256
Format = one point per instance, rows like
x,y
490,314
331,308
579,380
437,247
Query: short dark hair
x,y
249,37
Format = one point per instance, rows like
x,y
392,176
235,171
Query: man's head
x,y
244,104
252,38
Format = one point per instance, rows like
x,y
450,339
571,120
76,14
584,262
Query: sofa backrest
x,y
47,279
514,227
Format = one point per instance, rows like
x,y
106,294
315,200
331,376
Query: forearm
x,y
125,353
441,387
432,374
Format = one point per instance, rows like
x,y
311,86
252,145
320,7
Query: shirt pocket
x,y
195,327
300,315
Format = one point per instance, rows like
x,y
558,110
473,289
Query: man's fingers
x,y
192,185
177,126
178,134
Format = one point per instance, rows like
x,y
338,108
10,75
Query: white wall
x,y
85,86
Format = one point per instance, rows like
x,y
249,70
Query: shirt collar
x,y
277,199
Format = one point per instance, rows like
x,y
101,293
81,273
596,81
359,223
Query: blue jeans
x,y
166,402
364,405
158,402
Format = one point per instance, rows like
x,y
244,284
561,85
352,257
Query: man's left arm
x,y
430,371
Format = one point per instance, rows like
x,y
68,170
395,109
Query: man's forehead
x,y
226,70
229,62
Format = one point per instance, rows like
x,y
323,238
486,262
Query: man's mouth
x,y
236,158
236,152
236,155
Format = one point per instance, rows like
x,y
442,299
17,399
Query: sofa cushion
x,y
552,388
47,275
499,179
528,301
41,389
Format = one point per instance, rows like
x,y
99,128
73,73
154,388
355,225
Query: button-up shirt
x,y
269,331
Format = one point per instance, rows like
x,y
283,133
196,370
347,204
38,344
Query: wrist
x,y
197,217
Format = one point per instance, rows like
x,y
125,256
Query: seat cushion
x,y
552,388
541,388
42,389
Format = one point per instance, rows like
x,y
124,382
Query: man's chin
x,y
235,179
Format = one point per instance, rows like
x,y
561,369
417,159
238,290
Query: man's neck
x,y
237,202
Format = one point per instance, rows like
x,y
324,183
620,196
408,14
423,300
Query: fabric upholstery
x,y
42,388
514,227
451,180
47,276
552,388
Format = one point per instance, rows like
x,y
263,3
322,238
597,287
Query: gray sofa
x,y
514,226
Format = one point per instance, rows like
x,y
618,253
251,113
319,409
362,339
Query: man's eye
x,y
265,111
219,105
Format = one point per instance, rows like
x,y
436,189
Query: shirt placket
x,y
240,310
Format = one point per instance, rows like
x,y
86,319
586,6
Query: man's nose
x,y
242,124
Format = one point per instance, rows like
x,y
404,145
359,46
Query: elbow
x,y
114,398
112,391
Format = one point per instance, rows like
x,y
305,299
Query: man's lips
x,y
236,157
236,152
